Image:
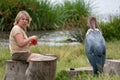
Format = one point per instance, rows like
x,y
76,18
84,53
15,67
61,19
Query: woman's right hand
x,y
33,40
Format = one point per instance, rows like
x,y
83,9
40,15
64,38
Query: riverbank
x,y
48,38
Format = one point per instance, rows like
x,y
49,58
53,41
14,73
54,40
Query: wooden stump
x,y
43,69
15,70
112,67
72,72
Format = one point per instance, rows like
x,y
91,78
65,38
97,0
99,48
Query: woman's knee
x,y
30,57
33,55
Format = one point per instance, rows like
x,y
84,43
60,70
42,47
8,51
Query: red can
x,y
34,42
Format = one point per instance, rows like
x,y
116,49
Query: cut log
x,y
42,69
72,72
112,67
15,70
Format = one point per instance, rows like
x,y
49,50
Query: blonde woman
x,y
19,43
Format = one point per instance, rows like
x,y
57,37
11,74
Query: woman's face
x,y
23,22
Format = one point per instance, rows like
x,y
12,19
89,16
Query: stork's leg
x,y
100,60
92,61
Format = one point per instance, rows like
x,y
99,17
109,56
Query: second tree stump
x,y
42,69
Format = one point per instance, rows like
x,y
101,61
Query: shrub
x,y
44,14
77,13
10,8
111,29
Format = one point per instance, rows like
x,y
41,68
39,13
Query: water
x,y
50,38
4,39
57,38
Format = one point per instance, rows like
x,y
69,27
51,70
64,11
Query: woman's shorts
x,y
22,56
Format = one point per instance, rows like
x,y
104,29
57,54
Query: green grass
x,y
4,55
113,50
68,56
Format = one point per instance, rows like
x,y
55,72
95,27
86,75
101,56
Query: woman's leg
x,y
39,57
33,55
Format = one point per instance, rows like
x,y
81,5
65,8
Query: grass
x,y
113,50
68,56
4,55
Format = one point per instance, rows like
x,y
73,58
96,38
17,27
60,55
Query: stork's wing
x,y
95,43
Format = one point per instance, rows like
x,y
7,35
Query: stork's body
x,y
95,48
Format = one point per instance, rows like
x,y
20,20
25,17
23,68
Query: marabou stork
x,y
95,47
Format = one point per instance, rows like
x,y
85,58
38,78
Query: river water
x,y
50,38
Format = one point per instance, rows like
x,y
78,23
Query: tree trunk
x,y
15,70
43,69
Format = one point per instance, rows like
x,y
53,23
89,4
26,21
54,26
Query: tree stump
x,y
42,69
15,70
112,67
72,72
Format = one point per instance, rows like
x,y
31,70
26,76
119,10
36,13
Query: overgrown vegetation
x,y
45,15
77,13
67,57
111,29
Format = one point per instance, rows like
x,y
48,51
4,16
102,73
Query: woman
x,y
19,42
95,46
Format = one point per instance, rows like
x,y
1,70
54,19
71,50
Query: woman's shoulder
x,y
16,27
15,30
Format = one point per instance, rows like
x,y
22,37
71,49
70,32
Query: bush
x,y
10,8
111,29
77,14
44,14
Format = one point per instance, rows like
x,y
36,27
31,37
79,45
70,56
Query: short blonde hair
x,y
20,14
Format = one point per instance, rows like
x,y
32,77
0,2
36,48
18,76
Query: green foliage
x,y
9,10
42,12
111,29
45,15
77,13
62,75
4,55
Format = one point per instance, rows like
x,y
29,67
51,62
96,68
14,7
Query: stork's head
x,y
92,22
